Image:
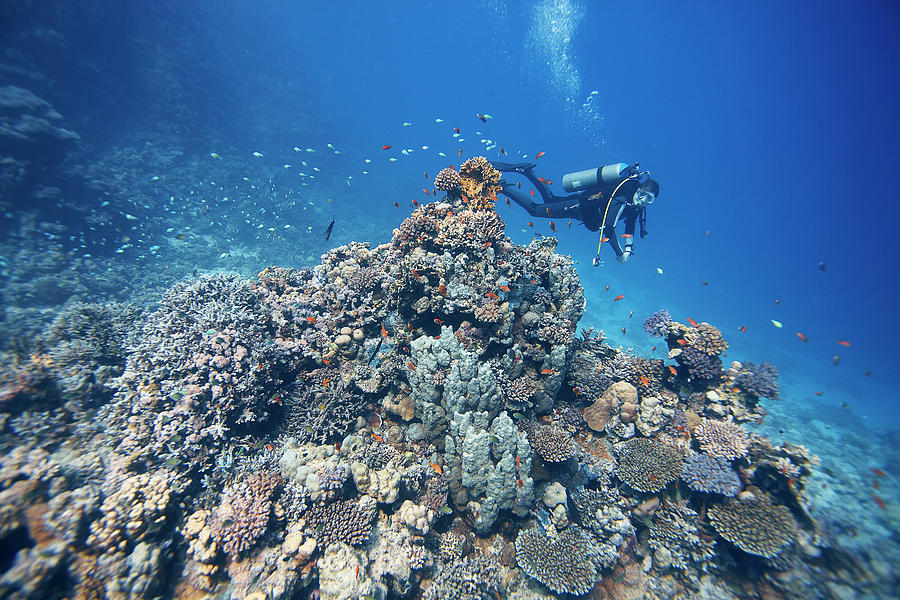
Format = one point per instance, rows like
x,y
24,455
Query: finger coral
x,y
448,179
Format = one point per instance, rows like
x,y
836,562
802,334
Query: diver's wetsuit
x,y
586,206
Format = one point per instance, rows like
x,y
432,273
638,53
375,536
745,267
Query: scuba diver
x,y
600,198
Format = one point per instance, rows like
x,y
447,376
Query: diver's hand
x,y
623,258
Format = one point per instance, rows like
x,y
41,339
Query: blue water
x,y
770,126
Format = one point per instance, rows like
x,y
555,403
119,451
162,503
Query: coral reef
x,y
710,474
563,564
649,465
480,181
754,524
656,324
758,380
447,179
721,438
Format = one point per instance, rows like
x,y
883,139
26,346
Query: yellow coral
x,y
480,182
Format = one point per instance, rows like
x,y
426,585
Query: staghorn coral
x,y
321,413
480,181
721,438
563,564
760,381
447,180
706,338
711,474
647,465
753,524
657,324
553,444
344,521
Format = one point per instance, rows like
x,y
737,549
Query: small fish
x,y
437,468
644,381
659,270
426,174
704,282
570,222
606,289
546,371
532,192
540,154
707,233
397,204
673,370
801,336
604,240
878,500
258,154
310,319
456,130
438,321
619,297
548,212
483,118
486,245
386,147
411,366
328,230
623,331
823,266
867,373
625,235
552,224
378,437
530,224
843,343
777,301
835,359
507,202
777,323
384,332
406,123
520,483
879,472
504,288
742,329
492,295
415,203
214,155
692,322
542,180
439,120
427,192
818,392
460,151
442,289
502,151
630,314
357,572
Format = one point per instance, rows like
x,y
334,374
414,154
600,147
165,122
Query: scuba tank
x,y
593,178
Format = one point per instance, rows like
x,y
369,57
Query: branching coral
x,y
480,182
347,521
759,380
243,514
647,465
721,438
656,324
753,524
562,564
321,413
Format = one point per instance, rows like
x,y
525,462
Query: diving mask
x,y
643,197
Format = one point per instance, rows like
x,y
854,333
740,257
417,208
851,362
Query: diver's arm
x,y
509,190
630,222
610,234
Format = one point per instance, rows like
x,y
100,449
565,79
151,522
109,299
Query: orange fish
x,y
530,224
879,472
383,331
504,288
460,151
357,572
548,211
492,295
437,468
520,483
326,361
325,382
438,321
502,151
818,393
507,202
619,297
540,154
397,204
456,130
550,182
777,301
802,337
542,180
682,342
378,437
411,366
386,147
532,192
879,502
552,224
518,462
443,289
546,371
604,240
625,235
570,222
311,319
843,342
427,193
742,328
692,322
673,370
416,204
645,381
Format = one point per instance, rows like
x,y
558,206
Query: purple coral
x,y
711,474
701,365
656,324
758,380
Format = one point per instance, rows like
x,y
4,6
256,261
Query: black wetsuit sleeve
x,y
610,232
560,209
527,170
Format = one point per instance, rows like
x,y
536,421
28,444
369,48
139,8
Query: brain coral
x,y
480,182
721,438
647,465
562,564
754,525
